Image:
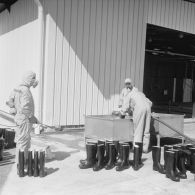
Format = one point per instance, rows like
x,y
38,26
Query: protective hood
x,y
29,79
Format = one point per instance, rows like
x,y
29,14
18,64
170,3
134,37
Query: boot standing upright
x,y
156,156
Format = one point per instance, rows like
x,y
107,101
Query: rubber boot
x,y
181,164
36,163
107,151
136,158
170,163
91,150
1,148
186,156
125,164
42,172
193,163
166,147
140,151
156,154
30,163
20,165
120,153
177,170
116,143
192,150
83,161
100,157
112,157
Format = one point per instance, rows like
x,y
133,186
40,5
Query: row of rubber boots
x,y
35,166
178,159
108,154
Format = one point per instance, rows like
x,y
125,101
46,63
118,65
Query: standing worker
x,y
21,104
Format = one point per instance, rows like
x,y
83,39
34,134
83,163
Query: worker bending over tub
x,y
140,106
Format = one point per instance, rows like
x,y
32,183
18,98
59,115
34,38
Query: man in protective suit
x,y
21,105
140,106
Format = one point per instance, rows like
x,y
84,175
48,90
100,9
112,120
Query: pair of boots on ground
x,y
108,154
35,166
177,160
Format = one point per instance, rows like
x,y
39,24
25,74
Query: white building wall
x,y
91,46
18,47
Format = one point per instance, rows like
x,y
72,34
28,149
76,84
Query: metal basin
x,y
108,127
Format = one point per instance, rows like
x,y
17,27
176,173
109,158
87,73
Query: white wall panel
x,y
93,45
18,47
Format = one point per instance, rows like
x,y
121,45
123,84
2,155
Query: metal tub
x,y
108,127
174,120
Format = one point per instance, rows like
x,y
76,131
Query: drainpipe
x,y
41,33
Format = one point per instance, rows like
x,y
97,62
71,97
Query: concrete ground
x,y
64,176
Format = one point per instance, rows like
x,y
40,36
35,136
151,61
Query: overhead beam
x,y
170,53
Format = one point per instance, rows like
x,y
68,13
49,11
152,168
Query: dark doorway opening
x,y
169,70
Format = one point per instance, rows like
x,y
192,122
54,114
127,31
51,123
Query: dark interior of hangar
x,y
170,70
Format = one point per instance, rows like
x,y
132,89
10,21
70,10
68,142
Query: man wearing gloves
x,y
141,109
21,104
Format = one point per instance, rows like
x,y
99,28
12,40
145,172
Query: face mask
x,y
35,83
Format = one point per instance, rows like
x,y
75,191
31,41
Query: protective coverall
x,y
141,109
146,137
21,100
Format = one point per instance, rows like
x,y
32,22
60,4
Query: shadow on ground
x,y
60,155
50,171
74,144
8,158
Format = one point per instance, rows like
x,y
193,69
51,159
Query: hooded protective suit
x,y
22,101
141,108
146,137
